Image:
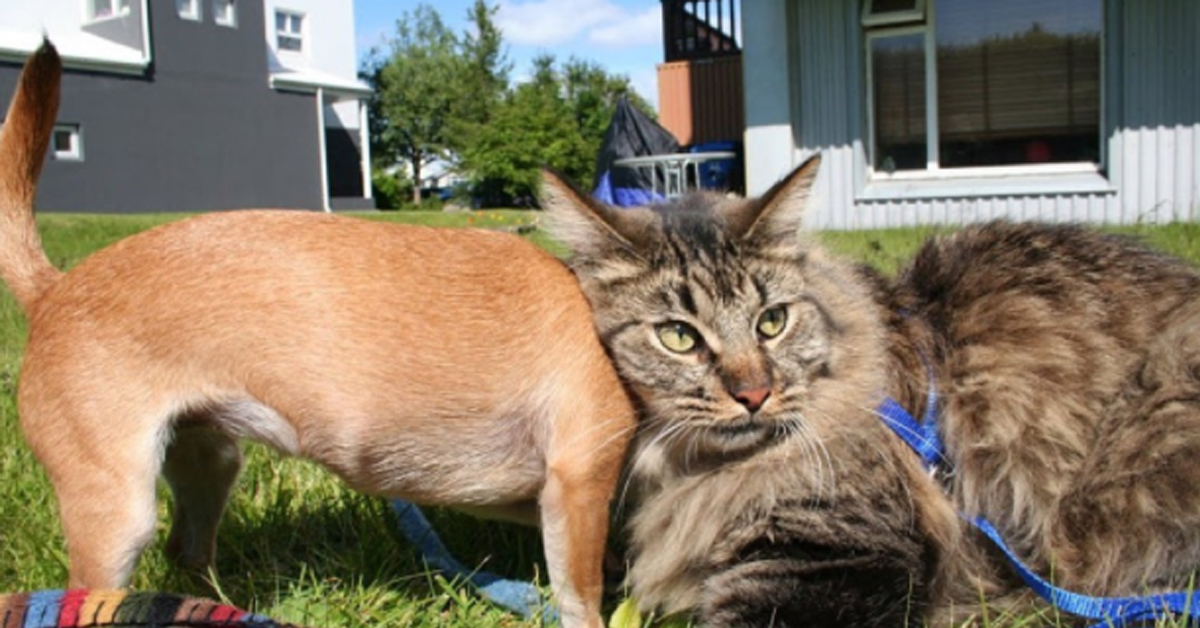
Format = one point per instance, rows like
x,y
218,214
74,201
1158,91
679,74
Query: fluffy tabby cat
x,y
769,491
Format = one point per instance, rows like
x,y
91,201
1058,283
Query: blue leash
x,y
923,438
520,597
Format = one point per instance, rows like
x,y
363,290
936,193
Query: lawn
x,y
296,545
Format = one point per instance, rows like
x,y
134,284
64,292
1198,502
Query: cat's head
x,y
732,329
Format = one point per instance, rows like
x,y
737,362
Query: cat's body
x,y
770,493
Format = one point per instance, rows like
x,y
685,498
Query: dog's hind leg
x,y
201,467
106,497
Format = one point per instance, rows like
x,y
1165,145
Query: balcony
x,y
700,29
700,82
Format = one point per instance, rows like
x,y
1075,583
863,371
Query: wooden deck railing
x,y
700,29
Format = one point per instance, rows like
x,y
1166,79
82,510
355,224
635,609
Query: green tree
x,y
485,74
531,127
415,93
593,93
442,96
556,119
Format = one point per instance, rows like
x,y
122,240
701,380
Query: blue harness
x,y
922,437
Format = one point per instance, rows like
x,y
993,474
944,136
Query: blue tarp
x,y
631,133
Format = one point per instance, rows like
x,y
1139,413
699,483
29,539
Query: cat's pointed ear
x,y
775,217
588,227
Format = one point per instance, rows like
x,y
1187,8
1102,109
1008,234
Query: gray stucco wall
x,y
201,131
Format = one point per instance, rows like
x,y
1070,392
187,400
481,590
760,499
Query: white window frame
x,y
225,12
933,169
872,18
300,34
931,152
75,153
188,10
116,9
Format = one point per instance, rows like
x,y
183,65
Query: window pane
x,y
281,20
893,6
187,9
290,43
1018,81
64,142
224,12
898,90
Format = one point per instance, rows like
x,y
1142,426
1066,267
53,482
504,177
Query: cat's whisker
x,y
884,455
655,446
692,446
586,435
825,476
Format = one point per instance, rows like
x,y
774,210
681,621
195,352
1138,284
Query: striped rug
x,y
80,608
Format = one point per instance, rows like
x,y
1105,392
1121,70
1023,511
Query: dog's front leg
x,y
574,530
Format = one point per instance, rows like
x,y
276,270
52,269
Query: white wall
x,y
329,46
770,152
56,16
24,22
329,36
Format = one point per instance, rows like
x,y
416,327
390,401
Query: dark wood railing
x,y
700,29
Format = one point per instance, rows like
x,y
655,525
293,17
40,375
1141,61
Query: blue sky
x,y
624,36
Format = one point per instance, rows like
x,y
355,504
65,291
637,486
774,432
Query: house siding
x,y
1157,149
200,130
1151,129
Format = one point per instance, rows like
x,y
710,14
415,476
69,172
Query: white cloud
x,y
555,22
643,29
645,83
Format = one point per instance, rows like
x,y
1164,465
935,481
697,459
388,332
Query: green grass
x,y
296,544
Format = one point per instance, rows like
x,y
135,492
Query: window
x,y
880,12
225,12
102,9
983,83
289,31
66,142
188,9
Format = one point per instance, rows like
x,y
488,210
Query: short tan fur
x,y
454,367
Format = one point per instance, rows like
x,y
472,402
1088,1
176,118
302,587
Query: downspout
x,y
147,49
324,159
364,140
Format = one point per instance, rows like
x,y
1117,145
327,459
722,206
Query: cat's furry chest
x,y
851,492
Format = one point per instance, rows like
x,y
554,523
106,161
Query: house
x,y
184,105
954,111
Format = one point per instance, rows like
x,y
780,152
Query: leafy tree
x,y
532,127
593,94
557,119
485,74
414,92
443,96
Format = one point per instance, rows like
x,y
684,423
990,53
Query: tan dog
x,y
448,367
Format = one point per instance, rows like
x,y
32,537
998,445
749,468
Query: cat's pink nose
x,y
754,398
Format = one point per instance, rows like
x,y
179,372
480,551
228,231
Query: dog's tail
x,y
24,139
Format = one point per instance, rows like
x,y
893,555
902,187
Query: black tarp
x,y
631,133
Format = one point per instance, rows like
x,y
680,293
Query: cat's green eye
x,y
678,337
772,321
